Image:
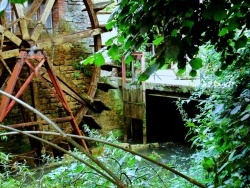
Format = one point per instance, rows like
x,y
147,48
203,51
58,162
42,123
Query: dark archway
x,y
164,121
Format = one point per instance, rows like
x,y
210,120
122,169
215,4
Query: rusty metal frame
x,y
42,60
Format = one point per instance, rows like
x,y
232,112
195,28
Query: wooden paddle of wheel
x,y
34,57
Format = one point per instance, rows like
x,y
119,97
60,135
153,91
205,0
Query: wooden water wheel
x,y
22,49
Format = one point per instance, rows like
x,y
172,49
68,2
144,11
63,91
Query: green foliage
x,y
178,29
222,128
86,69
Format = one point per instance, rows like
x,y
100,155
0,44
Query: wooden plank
x,y
67,38
38,29
9,54
67,90
100,6
22,23
10,35
33,8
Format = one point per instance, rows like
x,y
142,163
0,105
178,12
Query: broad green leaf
x,y
223,32
196,63
89,60
220,15
218,72
193,73
208,164
113,52
110,41
188,23
158,41
18,1
128,44
99,59
233,24
241,42
149,71
129,59
110,25
174,33
181,71
78,169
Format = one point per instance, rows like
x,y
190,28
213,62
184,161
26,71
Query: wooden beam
x,y
10,35
9,54
38,29
67,90
100,6
33,8
22,23
67,38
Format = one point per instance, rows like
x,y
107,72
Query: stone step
x,y
105,86
100,106
91,122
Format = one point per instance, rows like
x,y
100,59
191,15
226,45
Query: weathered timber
x,y
33,8
133,102
10,35
92,15
33,123
100,6
38,29
68,90
23,22
67,38
9,54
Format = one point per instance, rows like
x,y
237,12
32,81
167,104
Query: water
x,y
169,152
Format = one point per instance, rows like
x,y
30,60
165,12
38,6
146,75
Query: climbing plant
x,y
177,28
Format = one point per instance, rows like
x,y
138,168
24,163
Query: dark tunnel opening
x,y
164,121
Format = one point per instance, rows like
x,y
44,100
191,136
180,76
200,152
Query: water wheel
x,y
24,63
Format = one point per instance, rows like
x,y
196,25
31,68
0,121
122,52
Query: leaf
x,y
158,41
246,116
188,23
113,52
196,63
193,73
235,110
89,60
233,24
3,5
241,42
230,157
148,72
129,59
99,59
208,164
18,1
110,41
218,108
78,169
218,72
220,15
110,25
181,71
174,33
223,32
